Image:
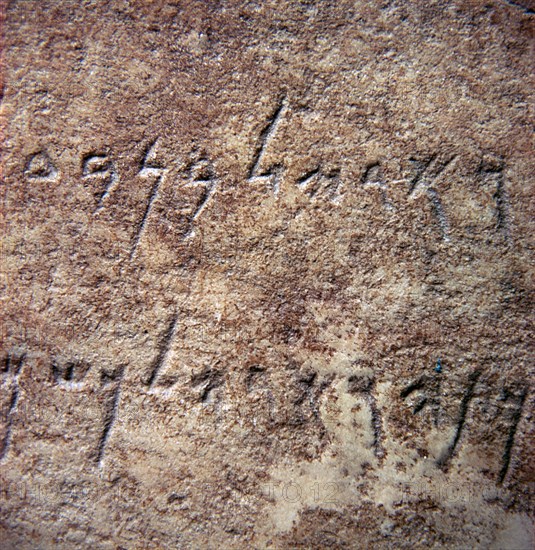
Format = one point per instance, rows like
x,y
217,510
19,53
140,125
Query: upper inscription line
x,y
149,167
265,137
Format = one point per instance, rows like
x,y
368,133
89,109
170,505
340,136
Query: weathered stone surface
x,y
267,274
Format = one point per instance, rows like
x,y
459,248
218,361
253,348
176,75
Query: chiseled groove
x,y
14,370
107,190
506,459
110,416
376,426
438,210
142,224
163,352
446,456
265,136
502,207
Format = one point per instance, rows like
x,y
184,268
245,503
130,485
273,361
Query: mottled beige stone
x,y
267,274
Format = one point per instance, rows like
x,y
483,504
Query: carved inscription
x,y
202,179
152,169
516,401
323,185
373,178
39,167
426,173
271,175
320,184
427,391
449,451
100,169
10,371
110,387
163,352
364,386
72,374
69,374
205,382
493,181
301,398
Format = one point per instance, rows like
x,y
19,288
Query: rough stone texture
x,y
267,274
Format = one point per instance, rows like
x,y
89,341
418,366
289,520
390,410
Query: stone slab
x,y
267,274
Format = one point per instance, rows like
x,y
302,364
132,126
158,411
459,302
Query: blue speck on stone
x,y
438,368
